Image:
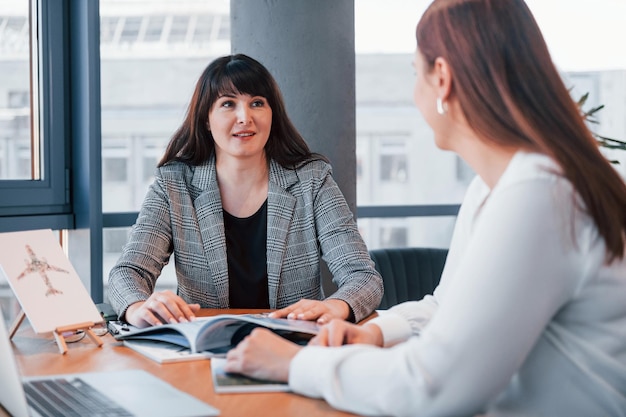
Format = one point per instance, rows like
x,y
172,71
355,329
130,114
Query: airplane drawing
x,y
42,267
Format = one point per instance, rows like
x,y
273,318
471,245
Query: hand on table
x,y
161,307
322,311
340,332
262,355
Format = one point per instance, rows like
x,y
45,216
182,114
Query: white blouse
x,y
527,320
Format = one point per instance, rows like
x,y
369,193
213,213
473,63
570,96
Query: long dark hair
x,y
512,94
193,143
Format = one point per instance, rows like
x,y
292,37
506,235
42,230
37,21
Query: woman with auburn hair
x,y
247,210
529,318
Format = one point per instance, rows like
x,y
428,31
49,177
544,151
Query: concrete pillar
x,y
308,46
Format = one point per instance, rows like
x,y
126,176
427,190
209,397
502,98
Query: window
x,y
138,119
145,93
115,169
583,45
155,28
19,100
33,143
393,237
113,240
15,113
178,29
130,32
203,28
464,173
393,162
148,166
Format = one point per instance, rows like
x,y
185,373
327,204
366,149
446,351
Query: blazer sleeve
x,y
343,249
145,254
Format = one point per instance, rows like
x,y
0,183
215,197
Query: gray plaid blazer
x,y
307,219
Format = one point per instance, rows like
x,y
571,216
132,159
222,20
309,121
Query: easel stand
x,y
86,327
59,332
16,324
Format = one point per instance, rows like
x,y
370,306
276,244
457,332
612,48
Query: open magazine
x,y
218,334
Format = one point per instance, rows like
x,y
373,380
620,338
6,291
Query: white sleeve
x,y
405,320
518,268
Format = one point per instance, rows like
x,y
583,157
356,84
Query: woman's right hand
x,y
340,332
161,307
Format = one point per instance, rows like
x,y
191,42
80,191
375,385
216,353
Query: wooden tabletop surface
x,y
39,355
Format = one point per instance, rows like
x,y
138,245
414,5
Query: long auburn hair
x,y
193,143
512,94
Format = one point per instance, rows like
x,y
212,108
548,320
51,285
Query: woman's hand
x,y
161,307
322,311
262,355
339,332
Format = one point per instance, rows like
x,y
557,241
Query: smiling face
x,y
240,125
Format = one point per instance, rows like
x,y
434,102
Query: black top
x,y
246,241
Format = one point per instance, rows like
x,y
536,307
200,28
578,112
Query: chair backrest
x,y
408,273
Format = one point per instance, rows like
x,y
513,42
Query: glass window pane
x,y
115,169
154,28
150,62
583,47
178,29
113,241
434,232
16,162
131,28
203,29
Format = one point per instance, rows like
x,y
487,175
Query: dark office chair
x,y
408,273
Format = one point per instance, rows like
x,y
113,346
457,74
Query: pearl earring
x,y
441,106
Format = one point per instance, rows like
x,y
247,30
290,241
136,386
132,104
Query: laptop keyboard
x,y
70,397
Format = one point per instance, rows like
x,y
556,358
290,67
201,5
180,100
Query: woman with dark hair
x,y
529,318
247,210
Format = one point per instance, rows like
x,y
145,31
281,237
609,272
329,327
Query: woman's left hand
x,y
262,355
322,311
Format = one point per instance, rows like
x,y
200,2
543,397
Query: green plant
x,y
590,117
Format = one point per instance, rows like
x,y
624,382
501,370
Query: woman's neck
x,y
243,185
487,159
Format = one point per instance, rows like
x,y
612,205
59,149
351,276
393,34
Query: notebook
x,y
121,393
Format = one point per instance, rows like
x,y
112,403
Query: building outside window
x,y
15,90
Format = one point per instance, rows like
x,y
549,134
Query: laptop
x,y
114,393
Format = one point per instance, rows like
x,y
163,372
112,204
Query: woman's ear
x,y
443,78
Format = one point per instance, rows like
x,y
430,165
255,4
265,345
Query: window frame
x,y
45,202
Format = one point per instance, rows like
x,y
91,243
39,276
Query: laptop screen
x,y
135,390
12,393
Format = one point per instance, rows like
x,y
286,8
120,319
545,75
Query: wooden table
x,y
39,355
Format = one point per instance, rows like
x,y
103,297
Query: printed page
x,y
163,352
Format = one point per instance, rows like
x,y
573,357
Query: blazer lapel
x,y
208,205
280,208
